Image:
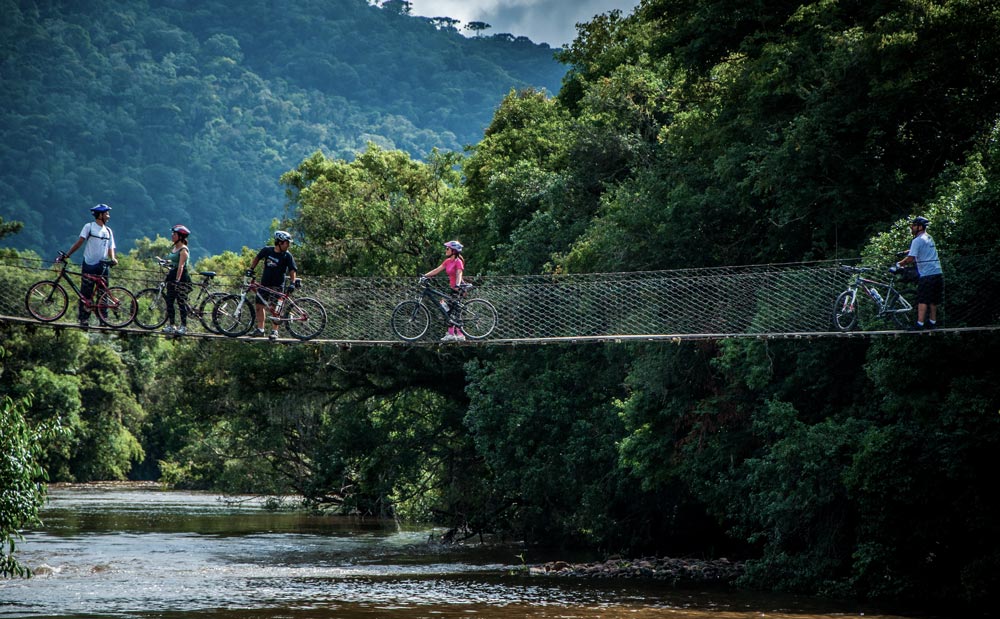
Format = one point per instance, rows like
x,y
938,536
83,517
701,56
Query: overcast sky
x,y
542,21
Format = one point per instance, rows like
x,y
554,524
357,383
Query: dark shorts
x,y
267,295
930,290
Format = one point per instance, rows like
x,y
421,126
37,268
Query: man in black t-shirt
x,y
278,262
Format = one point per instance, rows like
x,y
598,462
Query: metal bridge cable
x,y
769,300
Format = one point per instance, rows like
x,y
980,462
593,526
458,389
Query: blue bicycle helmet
x,y
454,246
100,208
920,221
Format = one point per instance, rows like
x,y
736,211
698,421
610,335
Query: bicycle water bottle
x,y
277,306
877,296
444,305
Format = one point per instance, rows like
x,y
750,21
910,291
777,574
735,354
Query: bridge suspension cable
x,y
764,301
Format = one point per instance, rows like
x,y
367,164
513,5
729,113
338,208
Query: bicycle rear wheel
x,y
151,308
115,307
233,315
410,320
306,318
479,318
904,317
46,301
206,309
845,314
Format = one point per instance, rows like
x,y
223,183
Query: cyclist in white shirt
x,y
98,251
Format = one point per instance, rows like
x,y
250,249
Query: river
x,y
137,551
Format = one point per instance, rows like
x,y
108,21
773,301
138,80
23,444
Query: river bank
x,y
675,571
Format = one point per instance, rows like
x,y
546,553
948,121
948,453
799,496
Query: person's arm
x,y
111,247
458,277
181,262
908,258
256,259
433,272
76,246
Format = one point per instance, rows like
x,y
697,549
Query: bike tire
x,y
233,316
905,319
410,320
46,301
478,319
845,313
206,309
306,318
116,307
151,308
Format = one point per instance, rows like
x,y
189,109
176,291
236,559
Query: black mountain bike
x,y
475,317
886,302
47,300
151,312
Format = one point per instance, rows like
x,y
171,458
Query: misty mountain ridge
x,y
182,111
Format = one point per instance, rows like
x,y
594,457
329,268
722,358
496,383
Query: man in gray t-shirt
x,y
930,286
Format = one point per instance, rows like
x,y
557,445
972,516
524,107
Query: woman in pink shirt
x,y
453,265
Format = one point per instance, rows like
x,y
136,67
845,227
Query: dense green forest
x,y
685,134
188,111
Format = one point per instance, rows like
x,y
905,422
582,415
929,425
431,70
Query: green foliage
x,y
21,477
686,134
381,214
184,112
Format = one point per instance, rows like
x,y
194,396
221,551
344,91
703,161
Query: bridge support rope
x,y
758,301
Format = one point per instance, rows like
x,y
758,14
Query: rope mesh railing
x,y
760,300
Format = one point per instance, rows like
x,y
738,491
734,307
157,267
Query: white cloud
x,y
542,21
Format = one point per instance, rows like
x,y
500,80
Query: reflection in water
x,y
136,552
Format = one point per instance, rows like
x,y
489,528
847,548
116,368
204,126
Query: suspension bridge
x,y
788,301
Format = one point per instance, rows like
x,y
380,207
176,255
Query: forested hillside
x,y
189,111
690,133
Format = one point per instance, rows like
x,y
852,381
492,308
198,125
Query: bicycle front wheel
x,y
116,307
306,318
845,311
151,308
904,317
233,315
46,301
206,309
410,320
479,318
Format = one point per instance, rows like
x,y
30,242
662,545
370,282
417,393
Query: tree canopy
x,y
685,134
184,111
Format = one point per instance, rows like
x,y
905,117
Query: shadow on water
x,y
134,551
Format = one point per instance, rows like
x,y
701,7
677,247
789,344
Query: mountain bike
x,y
234,314
151,311
47,300
475,317
849,311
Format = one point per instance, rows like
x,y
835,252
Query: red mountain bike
x,y
47,300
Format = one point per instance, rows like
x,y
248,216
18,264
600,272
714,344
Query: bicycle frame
x,y
871,287
201,287
305,318
435,297
99,285
275,310
888,304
